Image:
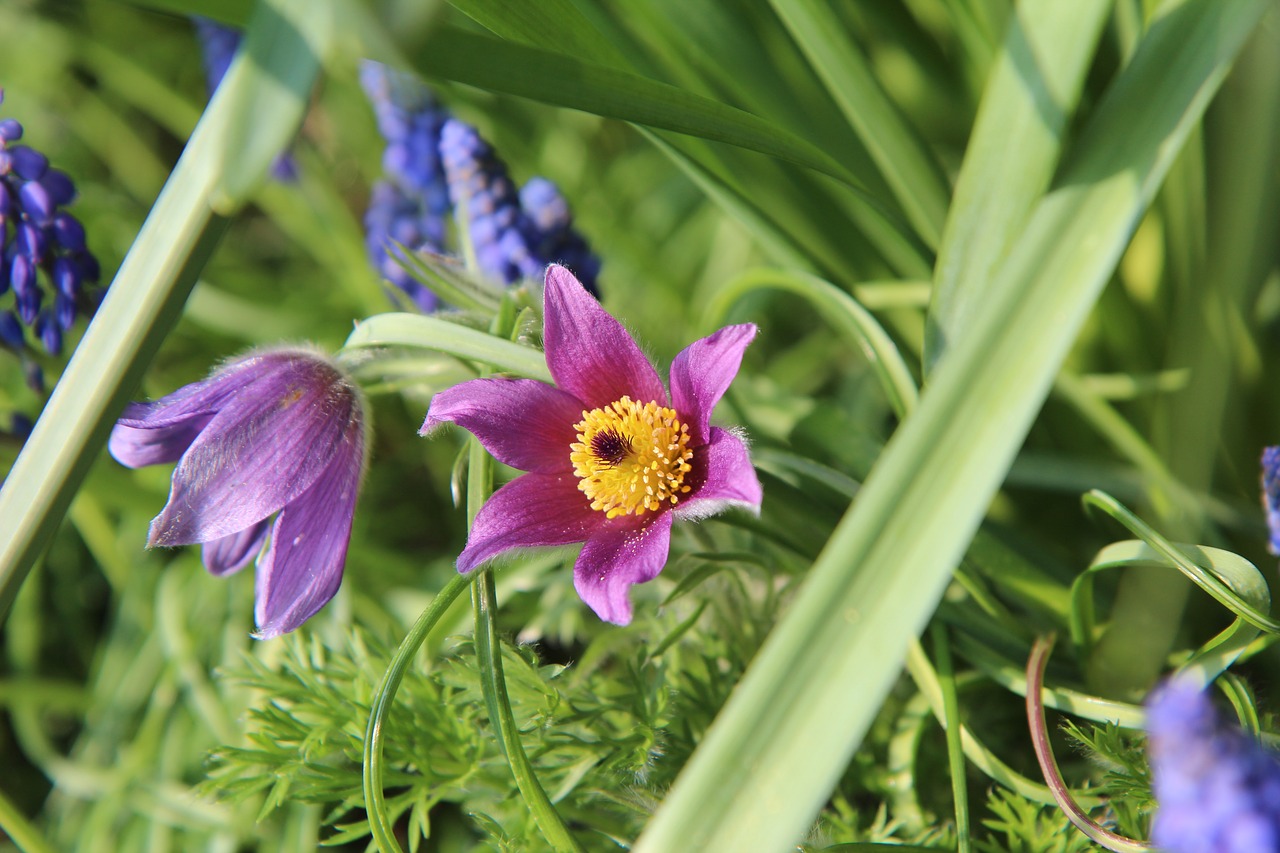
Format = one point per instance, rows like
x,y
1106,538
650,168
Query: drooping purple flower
x,y
1271,496
1217,788
612,460
277,432
42,250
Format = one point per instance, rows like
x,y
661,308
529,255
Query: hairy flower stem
x,y
484,600
1036,664
375,804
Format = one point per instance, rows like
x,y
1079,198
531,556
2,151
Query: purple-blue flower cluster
x,y
44,261
434,163
1271,495
410,205
1217,788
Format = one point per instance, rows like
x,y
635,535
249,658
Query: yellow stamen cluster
x,y
630,457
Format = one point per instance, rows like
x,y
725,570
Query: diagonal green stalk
x,y
1013,150
770,759
146,297
19,830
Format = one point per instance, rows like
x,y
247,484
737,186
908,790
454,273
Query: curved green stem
x,y
375,803
846,316
484,597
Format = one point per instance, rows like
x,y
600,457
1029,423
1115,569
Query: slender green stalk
x,y
375,802
20,830
955,751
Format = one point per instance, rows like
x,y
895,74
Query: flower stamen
x,y
631,457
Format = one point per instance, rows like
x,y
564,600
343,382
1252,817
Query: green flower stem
x,y
955,750
375,803
484,598
20,830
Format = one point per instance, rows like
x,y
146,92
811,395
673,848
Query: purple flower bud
x,y
6,203
66,276
68,232
30,241
36,203
49,332
11,334
59,186
65,310
28,163
21,426
278,432
10,130
28,303
22,275
90,271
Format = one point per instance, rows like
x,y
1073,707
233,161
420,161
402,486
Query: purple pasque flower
x,y
1217,788
612,460
276,432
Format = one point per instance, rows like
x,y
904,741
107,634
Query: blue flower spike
x,y
1217,788
45,262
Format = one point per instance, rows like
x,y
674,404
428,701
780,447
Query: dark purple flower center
x,y
609,447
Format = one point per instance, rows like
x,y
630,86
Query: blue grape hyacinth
x,y
1217,788
1271,496
515,234
410,205
45,263
434,164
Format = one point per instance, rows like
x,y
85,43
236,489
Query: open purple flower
x,y
274,432
611,459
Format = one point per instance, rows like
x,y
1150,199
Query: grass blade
x,y
771,757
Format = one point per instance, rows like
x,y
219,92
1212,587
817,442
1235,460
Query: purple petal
x,y
302,568
232,553
266,446
524,423
589,353
701,374
531,510
722,477
618,557
136,448
161,431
